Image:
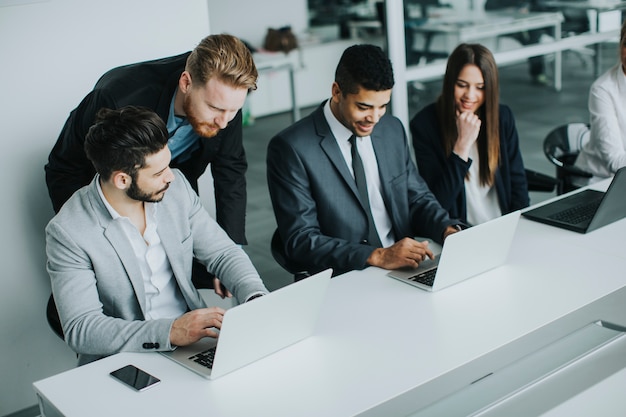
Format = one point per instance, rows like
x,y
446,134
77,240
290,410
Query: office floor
x,y
537,110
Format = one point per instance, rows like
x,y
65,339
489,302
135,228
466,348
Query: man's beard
x,y
203,129
138,194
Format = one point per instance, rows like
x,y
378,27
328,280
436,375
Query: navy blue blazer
x,y
152,84
445,175
319,215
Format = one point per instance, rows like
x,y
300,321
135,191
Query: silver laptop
x,y
258,328
464,255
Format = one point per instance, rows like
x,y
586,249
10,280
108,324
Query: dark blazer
x,y
445,175
320,218
152,84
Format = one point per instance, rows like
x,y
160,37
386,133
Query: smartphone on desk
x,y
135,378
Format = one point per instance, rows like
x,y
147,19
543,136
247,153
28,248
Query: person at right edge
x,y
605,152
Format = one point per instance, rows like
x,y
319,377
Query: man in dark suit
x,y
199,95
324,218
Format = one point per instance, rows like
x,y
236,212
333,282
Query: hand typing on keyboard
x,y
402,254
196,324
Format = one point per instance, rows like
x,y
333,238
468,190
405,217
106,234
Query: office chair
x,y
540,182
561,146
278,252
53,318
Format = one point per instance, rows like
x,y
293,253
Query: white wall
x,y
52,54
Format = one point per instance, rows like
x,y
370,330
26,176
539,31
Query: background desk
x,y
477,26
474,26
270,62
598,7
383,348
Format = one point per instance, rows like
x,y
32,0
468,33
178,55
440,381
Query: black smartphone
x,y
135,378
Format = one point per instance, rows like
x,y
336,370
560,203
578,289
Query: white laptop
x,y
464,255
258,328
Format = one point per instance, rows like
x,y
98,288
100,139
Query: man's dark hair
x,y
120,140
364,66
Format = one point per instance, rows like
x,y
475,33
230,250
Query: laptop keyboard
x,y
205,358
426,277
578,214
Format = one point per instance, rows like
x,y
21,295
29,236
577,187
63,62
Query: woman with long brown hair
x,y
466,143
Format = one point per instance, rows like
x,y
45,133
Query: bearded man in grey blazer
x,y
323,219
120,250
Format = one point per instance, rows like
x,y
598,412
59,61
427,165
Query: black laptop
x,y
586,210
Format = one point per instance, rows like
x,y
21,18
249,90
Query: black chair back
x,y
562,146
278,252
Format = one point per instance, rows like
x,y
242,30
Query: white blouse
x,y
481,201
605,152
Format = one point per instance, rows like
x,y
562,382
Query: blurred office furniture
x,y
561,146
271,62
301,78
601,16
404,75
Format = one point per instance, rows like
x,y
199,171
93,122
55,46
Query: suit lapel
x,y
116,236
385,159
329,145
114,233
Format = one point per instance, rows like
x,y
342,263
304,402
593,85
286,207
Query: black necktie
x,y
361,185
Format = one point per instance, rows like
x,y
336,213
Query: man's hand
x,y
220,289
404,253
196,324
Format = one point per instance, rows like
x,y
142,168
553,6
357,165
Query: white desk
x,y
384,348
472,26
357,27
278,61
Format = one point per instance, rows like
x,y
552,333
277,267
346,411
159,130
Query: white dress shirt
x,y
382,221
163,297
481,202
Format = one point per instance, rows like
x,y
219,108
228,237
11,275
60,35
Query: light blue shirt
x,y
183,139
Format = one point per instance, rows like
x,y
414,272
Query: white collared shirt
x,y
370,165
605,152
481,202
163,296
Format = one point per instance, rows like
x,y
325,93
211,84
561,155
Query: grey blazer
x,y
320,218
97,283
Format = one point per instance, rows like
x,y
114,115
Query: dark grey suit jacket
x,y
320,218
